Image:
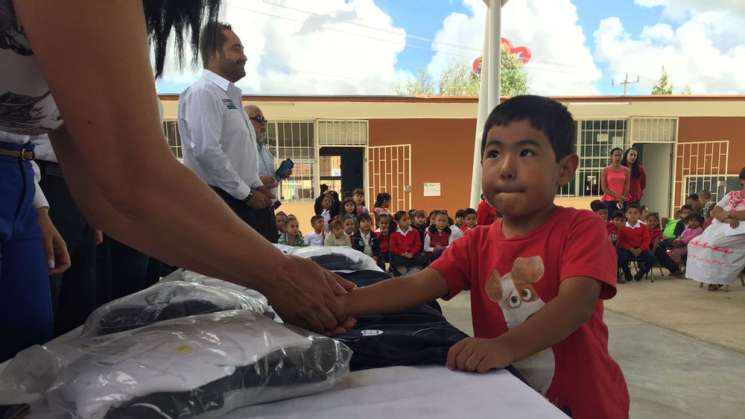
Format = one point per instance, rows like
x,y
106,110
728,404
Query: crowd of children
x,y
644,237
404,242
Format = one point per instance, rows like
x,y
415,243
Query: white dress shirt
x,y
219,142
266,165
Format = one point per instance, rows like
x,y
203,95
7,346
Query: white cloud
x,y
705,51
318,47
681,9
562,62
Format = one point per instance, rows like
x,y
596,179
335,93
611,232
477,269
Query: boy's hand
x,y
479,355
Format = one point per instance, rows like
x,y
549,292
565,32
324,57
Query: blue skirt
x,y
25,298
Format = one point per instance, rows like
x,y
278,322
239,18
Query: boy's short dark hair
x,y
618,214
693,196
634,206
350,217
315,218
364,217
399,215
544,114
460,213
598,205
420,213
469,211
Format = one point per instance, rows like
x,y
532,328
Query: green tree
x,y
459,80
663,86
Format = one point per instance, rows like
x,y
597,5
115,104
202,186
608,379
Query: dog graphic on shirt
x,y
518,299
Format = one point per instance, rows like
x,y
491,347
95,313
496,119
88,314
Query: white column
x,y
490,87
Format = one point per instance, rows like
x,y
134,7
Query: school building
x,y
420,149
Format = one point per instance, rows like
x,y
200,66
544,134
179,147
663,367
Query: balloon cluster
x,y
522,53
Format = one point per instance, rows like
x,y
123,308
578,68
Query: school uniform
x,y
407,242
368,244
634,236
436,238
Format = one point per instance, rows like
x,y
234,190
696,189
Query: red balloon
x,y
523,54
476,66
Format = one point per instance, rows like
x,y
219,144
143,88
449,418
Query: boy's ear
x,y
567,168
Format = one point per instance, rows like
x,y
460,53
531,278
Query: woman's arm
x,y
95,58
603,183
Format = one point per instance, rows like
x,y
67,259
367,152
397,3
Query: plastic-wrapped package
x,y
199,366
169,300
337,258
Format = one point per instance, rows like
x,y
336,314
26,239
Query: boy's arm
x,y
558,319
397,294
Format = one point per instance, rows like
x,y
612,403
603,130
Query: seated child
x,y
655,233
695,227
365,240
420,225
469,219
614,226
315,239
460,216
292,235
327,211
337,236
600,209
674,228
358,196
281,220
633,242
439,237
384,239
349,208
406,246
536,277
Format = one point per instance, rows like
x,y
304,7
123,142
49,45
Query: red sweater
x,y
439,238
654,234
384,240
633,238
406,243
485,214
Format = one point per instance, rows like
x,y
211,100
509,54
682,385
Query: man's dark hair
x,y
469,211
597,205
618,214
544,114
634,206
212,40
693,196
162,17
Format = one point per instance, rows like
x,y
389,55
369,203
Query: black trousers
x,y
74,293
646,257
262,221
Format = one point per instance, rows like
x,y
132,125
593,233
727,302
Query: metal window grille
x,y
294,140
701,165
342,133
654,130
170,129
595,140
389,170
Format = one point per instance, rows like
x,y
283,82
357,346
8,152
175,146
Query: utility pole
x,y
626,82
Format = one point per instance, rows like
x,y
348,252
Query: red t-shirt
x,y
577,374
485,214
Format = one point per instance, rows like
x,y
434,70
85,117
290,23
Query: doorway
x,y
657,159
342,168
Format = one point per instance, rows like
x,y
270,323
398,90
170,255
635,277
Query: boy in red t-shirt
x,y
537,276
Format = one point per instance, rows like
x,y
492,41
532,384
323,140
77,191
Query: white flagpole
x,y
490,88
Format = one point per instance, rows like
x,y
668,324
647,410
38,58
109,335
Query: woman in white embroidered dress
x,y
717,257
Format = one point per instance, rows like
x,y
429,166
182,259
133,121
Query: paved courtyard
x,y
682,348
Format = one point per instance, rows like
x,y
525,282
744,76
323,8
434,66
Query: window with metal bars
x,y
170,129
294,140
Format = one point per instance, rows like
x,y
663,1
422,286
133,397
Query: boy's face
x,y
349,226
520,174
632,214
603,214
618,221
684,214
471,220
318,225
338,231
358,198
420,220
441,222
364,226
404,222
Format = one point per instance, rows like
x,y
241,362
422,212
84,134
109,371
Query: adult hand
x,y
269,182
306,295
479,355
259,200
733,222
54,245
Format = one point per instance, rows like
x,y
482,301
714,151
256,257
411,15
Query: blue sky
x,y
370,46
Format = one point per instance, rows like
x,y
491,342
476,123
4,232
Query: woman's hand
x,y
54,245
306,295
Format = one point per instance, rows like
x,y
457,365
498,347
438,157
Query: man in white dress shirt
x,y
219,142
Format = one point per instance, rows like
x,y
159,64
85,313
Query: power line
x,y
626,82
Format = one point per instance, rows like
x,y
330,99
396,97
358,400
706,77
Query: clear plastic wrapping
x,y
183,294
337,258
200,366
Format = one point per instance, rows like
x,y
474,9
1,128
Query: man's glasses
x,y
260,119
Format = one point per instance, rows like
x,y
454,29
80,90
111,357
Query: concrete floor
x,y
681,348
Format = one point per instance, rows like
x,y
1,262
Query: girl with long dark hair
x,y
638,180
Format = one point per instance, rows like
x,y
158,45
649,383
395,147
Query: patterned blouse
x,y
26,104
